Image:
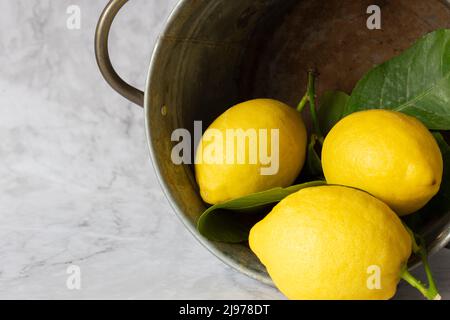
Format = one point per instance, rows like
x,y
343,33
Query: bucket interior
x,y
215,54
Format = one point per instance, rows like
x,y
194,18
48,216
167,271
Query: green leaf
x,y
332,108
231,221
313,162
416,83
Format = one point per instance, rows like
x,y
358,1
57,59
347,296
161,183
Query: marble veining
x,y
77,185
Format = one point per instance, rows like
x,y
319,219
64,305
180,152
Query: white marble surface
x,y
76,183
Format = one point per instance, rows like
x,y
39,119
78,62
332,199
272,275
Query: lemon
x,y
271,151
391,155
332,242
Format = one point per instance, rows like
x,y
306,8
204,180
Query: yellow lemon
x,y
254,146
389,154
332,242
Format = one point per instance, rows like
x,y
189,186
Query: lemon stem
x,y
428,293
424,256
303,103
420,250
312,102
310,97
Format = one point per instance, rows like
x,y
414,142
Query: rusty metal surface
x,y
332,36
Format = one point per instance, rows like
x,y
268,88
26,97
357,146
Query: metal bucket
x,y
215,53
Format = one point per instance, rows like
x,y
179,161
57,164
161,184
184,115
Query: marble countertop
x,y
77,185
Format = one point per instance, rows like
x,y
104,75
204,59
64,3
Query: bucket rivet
x,y
164,110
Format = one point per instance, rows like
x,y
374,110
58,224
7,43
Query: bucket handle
x,y
102,54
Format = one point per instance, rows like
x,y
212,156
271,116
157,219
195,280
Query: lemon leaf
x,y
231,221
313,162
332,108
417,83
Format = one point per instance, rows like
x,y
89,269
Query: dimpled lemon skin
x,y
389,154
319,244
222,182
